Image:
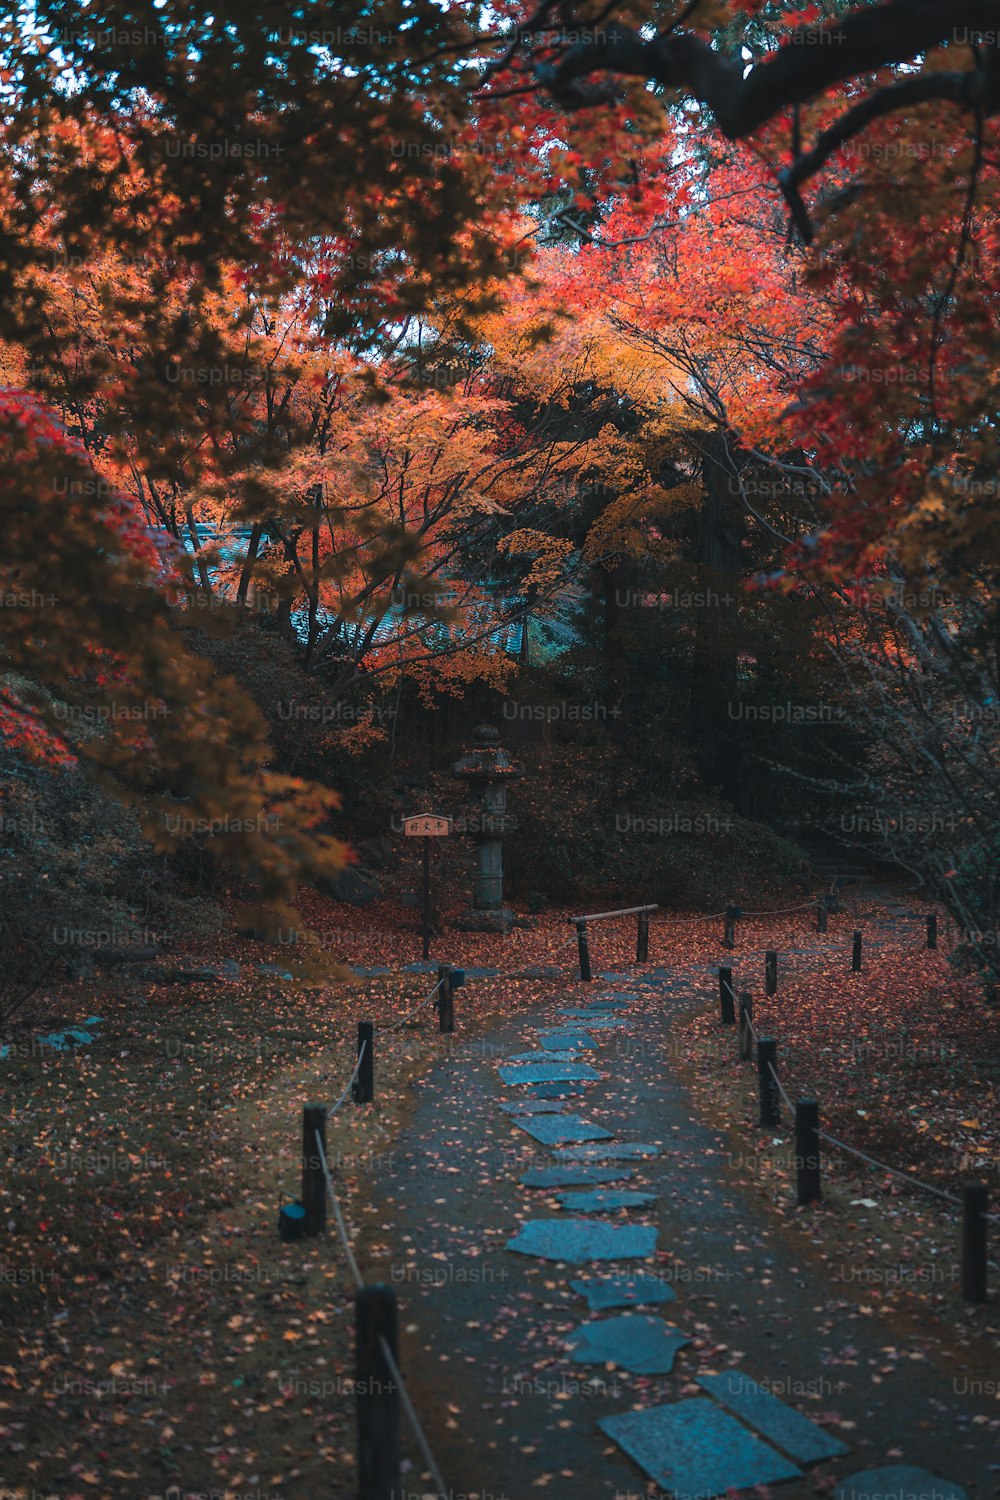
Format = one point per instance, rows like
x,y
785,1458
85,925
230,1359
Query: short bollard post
x,y
642,939
932,930
584,947
364,1084
377,1394
729,935
807,1151
770,972
727,1007
446,998
770,1099
313,1181
833,898
821,914
975,1207
856,954
746,1019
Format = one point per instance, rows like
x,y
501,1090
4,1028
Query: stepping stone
x,y
599,1008
549,1072
589,1019
629,1151
421,968
556,1177
574,1042
531,1106
371,973
275,971
640,1290
479,973
781,1424
565,1034
605,1202
579,1240
540,1056
607,1022
696,1450
551,1129
639,1342
898,1482
555,1091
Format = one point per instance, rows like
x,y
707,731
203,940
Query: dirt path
x,y
484,1327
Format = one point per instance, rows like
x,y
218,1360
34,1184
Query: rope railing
x,y
386,1350
351,1081
881,1166
711,916
927,1187
443,1493
784,911
408,1016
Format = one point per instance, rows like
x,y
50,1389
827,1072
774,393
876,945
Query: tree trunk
x,y
720,532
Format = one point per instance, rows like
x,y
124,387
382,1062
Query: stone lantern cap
x,y
487,760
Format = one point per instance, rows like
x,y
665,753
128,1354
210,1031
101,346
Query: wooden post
x,y
770,972
364,1084
426,900
833,899
313,1181
856,954
727,1007
376,1398
807,1151
642,939
770,1099
746,1035
821,913
584,948
932,929
975,1207
446,998
729,935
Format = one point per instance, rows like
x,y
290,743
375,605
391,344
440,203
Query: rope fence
x,y
825,902
352,1080
974,1200
381,1394
416,1009
378,1461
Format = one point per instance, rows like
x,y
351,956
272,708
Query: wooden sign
x,y
426,826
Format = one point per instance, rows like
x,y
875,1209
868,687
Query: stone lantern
x,y
488,769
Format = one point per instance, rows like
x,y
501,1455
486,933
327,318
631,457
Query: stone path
x,y
691,1351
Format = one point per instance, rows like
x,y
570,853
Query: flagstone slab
x,y
696,1450
898,1482
574,1041
556,1177
540,1055
556,1090
532,1106
640,1290
580,1240
549,1072
599,1008
605,1202
551,1129
780,1423
638,1342
606,1022
624,1151
565,1033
